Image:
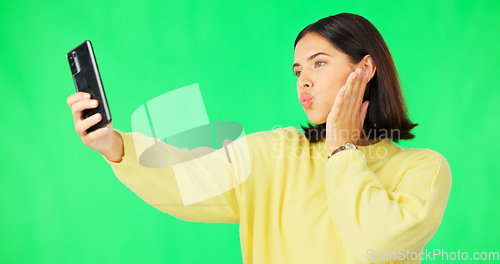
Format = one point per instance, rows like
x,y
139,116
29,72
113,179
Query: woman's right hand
x,y
103,140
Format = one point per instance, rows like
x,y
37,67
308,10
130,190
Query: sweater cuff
x,y
129,163
344,164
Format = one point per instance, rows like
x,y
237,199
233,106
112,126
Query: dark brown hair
x,y
356,36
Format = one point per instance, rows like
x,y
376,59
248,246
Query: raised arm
x,y
208,185
203,188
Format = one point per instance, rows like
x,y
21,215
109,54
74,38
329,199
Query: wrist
x,y
116,151
335,145
345,146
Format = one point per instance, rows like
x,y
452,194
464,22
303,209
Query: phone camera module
x,y
74,63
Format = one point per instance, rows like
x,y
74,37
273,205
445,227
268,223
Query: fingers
x,y
78,102
77,97
78,107
98,133
356,88
342,101
364,79
339,102
350,92
349,98
353,89
82,125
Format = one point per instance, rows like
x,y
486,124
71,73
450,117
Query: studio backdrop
x,y
61,202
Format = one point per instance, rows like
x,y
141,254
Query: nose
x,y
304,82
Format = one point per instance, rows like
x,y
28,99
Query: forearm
x,y
386,220
160,187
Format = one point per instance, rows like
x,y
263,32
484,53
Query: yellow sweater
x,y
298,206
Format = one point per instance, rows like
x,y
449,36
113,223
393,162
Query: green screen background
x,y
61,202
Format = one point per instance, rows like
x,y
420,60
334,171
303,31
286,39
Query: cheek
x,y
333,85
336,78
342,79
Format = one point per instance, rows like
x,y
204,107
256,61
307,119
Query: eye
x,y
320,63
297,73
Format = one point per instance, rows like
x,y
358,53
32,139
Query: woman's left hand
x,y
345,121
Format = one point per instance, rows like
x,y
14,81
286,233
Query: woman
x,y
341,192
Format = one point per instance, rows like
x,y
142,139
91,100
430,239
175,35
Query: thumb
x,y
363,110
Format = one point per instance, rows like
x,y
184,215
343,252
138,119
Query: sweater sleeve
x,y
203,189
372,219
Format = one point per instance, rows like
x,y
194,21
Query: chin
x,y
317,121
317,118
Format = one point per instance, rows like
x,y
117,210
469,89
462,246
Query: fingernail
x,y
97,116
86,96
93,103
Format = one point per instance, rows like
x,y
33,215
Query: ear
x,y
368,65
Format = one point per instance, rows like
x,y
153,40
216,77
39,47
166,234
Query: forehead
x,y
310,44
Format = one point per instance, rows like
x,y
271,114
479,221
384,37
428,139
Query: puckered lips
x,y
305,99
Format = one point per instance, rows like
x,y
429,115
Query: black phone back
x,y
87,79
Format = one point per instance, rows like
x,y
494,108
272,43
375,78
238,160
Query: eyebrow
x,y
311,57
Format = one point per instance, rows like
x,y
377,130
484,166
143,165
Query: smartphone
x,y
87,79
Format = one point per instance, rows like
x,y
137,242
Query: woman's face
x,y
321,71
